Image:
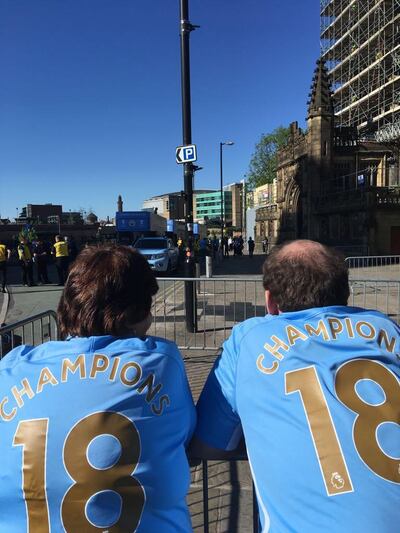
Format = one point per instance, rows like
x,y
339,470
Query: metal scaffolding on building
x,y
360,44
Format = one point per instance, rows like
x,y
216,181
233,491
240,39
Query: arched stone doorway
x,y
292,213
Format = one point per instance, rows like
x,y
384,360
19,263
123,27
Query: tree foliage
x,y
262,168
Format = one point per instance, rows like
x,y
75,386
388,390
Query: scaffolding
x,y
360,44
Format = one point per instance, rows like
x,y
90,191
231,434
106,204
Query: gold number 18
x,y
326,442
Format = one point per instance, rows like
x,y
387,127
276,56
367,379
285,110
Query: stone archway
x,y
292,215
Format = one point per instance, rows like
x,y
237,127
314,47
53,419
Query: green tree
x,y
262,168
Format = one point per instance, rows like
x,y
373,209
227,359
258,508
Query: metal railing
x,y
374,266
205,468
223,302
220,304
33,330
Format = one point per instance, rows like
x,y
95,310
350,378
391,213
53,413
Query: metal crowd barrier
x,y
205,489
223,302
375,266
33,330
220,304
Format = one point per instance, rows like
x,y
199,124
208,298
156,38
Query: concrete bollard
x,y
197,270
208,267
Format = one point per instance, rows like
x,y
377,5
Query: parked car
x,y
160,252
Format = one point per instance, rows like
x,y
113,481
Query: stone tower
x,y
120,204
320,118
320,121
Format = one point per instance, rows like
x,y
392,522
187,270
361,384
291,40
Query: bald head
x,y
304,274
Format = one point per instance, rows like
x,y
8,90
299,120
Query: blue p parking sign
x,y
186,154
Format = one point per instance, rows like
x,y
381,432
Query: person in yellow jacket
x,y
5,254
60,251
25,262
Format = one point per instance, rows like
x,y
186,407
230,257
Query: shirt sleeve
x,y
218,423
183,394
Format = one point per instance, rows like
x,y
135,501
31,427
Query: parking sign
x,y
186,154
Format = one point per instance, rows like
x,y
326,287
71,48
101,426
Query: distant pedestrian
x,y
238,245
60,250
226,246
251,245
40,256
25,262
214,246
5,254
72,249
265,244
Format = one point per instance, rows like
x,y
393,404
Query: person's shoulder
x,y
248,326
166,346
372,315
150,344
15,356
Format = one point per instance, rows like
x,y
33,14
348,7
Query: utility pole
x,y
188,172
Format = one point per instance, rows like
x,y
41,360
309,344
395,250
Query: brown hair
x,y
109,288
305,274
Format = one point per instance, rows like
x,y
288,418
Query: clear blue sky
x,y
90,98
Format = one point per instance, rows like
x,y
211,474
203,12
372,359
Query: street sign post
x,y
186,154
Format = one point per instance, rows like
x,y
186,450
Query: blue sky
x,y
90,98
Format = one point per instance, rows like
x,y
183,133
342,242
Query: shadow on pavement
x,y
240,265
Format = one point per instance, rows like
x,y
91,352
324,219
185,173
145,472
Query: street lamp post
x,y
221,144
188,172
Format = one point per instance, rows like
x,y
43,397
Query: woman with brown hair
x,y
94,427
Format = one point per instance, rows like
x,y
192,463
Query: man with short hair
x,y
314,386
60,250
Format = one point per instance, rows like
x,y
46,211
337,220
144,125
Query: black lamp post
x,y
226,143
188,172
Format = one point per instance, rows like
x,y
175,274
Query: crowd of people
x,y
35,257
212,246
96,427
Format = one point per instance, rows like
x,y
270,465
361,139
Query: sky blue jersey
x,y
317,395
93,435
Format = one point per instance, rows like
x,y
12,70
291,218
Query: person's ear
x,y
270,305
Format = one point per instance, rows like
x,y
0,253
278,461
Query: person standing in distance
x,y
251,245
5,254
41,257
25,262
265,244
314,386
60,250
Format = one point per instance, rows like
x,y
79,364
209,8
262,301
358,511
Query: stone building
x,y
332,186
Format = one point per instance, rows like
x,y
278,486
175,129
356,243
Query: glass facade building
x,y
208,205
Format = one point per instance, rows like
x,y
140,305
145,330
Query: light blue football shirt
x,y
317,395
92,437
